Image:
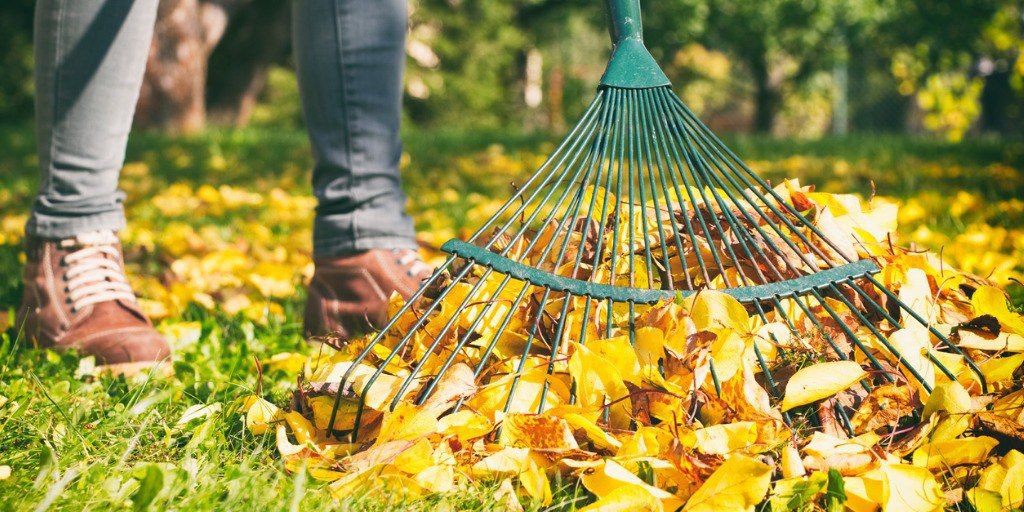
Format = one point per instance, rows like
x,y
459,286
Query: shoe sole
x,y
155,368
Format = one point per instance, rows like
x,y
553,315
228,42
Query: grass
x,y
77,442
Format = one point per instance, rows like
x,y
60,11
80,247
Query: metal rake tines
x,y
514,335
639,204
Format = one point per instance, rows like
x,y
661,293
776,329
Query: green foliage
x,y
477,44
15,59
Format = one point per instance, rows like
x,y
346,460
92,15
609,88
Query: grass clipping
x,y
678,412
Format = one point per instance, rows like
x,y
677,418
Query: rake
x,y
639,204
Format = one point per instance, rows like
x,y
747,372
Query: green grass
x,y
75,442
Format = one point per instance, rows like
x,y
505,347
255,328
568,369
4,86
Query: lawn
x,y
219,246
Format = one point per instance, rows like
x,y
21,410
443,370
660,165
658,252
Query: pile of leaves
x,y
672,405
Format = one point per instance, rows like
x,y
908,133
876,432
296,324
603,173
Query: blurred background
x,y
951,69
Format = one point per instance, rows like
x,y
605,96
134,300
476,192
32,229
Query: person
x,y
90,56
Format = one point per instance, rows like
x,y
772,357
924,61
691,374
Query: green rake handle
x,y
625,20
631,65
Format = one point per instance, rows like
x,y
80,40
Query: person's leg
x,y
90,58
350,55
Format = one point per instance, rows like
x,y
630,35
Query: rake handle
x,y
626,22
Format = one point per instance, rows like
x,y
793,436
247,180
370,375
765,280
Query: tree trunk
x,y
556,97
1000,108
257,38
766,96
173,91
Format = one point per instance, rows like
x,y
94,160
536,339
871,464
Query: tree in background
x,y
211,57
16,59
949,65
944,53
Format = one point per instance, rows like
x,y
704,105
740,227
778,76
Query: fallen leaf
x,y
819,381
739,484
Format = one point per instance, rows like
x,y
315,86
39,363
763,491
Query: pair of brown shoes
x,y
78,297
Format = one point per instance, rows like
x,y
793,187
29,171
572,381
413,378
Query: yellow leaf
x,y
739,484
984,500
649,344
627,498
406,422
532,385
645,442
301,428
864,494
713,310
286,361
598,382
824,445
792,466
260,414
1013,484
819,381
725,438
535,482
954,452
1006,478
436,478
620,353
507,461
417,458
284,445
537,431
727,352
916,292
910,489
465,425
378,395
610,475
596,434
913,344
1003,342
507,498
954,401
989,300
323,406
1001,369
950,397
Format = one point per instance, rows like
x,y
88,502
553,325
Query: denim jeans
x,y
90,59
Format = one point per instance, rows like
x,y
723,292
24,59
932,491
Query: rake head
x,y
639,209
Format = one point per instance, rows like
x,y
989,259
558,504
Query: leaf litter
x,y
678,413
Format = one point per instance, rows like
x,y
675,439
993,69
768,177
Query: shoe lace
x,y
94,271
410,259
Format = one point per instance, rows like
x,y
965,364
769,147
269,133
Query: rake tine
x,y
380,335
584,125
945,340
660,164
690,118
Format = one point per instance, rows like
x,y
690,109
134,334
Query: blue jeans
x,y
90,59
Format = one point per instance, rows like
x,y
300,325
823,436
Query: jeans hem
x,y
335,247
46,226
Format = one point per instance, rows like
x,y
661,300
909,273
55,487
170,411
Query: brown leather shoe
x,y
77,296
348,296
